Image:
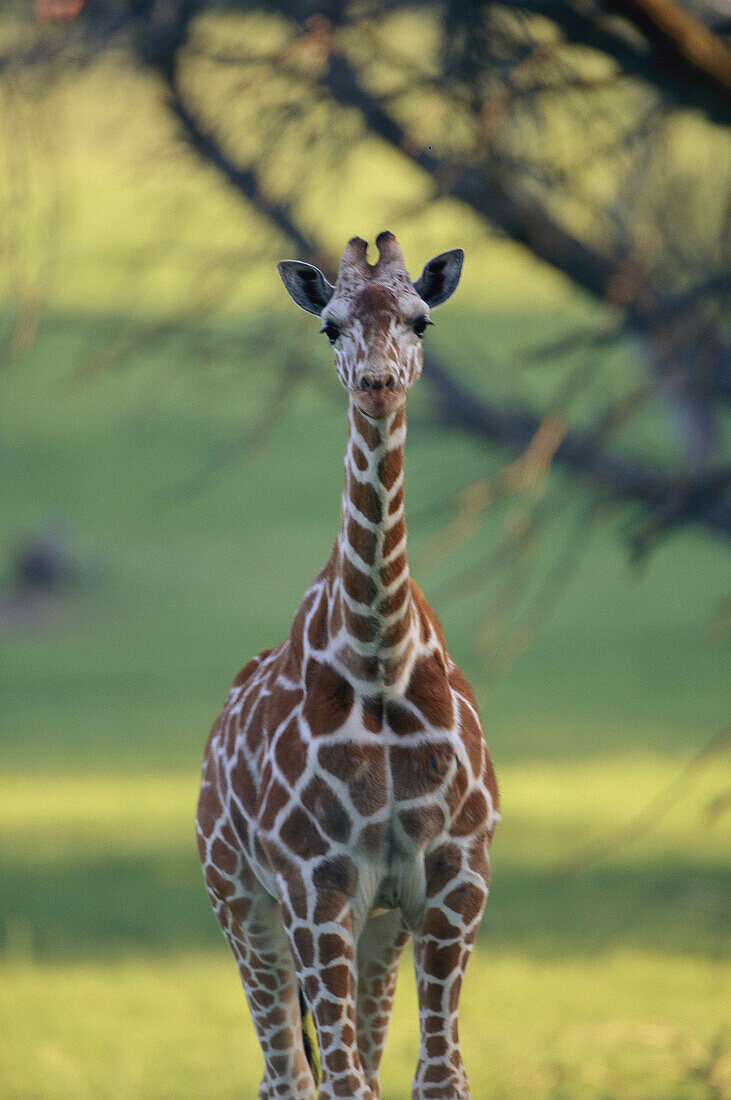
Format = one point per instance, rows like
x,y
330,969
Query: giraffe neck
x,y
373,593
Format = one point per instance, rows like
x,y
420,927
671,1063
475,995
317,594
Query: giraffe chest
x,y
380,793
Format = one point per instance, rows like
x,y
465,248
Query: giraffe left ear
x,y
439,278
306,285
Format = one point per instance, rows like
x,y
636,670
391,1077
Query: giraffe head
x,y
375,317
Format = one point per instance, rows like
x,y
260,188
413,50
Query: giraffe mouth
x,y
378,406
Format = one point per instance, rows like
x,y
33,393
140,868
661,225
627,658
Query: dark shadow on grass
x,y
104,906
671,907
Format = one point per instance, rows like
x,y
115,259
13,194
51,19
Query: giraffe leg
x,y
442,948
379,949
252,923
323,943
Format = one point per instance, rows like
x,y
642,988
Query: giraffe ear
x,y
306,285
439,278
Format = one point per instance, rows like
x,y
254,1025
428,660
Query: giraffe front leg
x,y
252,924
320,929
379,948
442,947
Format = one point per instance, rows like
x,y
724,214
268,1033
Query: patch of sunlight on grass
x,y
62,818
552,811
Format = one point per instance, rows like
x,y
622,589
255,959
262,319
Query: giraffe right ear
x,y
306,285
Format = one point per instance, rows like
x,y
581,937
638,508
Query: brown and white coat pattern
x,y
348,798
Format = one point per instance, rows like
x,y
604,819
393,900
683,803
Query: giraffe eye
x,y
419,325
331,331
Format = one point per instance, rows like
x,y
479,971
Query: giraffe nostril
x,y
364,383
390,382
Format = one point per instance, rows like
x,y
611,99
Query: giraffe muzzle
x,y
379,393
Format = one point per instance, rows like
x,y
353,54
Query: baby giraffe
x,y
348,799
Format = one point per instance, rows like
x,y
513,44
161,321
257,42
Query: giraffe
x,y
347,798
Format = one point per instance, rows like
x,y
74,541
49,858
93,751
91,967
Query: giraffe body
x,y
348,799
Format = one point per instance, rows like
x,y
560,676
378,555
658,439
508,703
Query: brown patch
x,y
471,735
305,946
490,781
220,887
373,837
224,858
377,303
297,631
328,907
255,723
290,752
362,767
336,618
366,500
367,430
373,713
362,627
279,704
429,692
331,946
457,789
359,458
317,635
239,822
301,836
209,804
275,800
467,900
437,1045
401,720
358,585
478,859
337,875
242,782
441,866
396,599
328,1012
282,1040
423,823
390,467
438,924
472,814
419,770
394,569
397,502
336,978
329,700
399,420
327,809
397,631
363,541
337,1060
239,909
393,537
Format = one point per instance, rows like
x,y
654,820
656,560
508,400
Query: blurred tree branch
x,y
505,82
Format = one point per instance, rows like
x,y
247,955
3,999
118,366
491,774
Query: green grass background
x,y
114,979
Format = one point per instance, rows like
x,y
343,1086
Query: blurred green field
x,y
195,528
